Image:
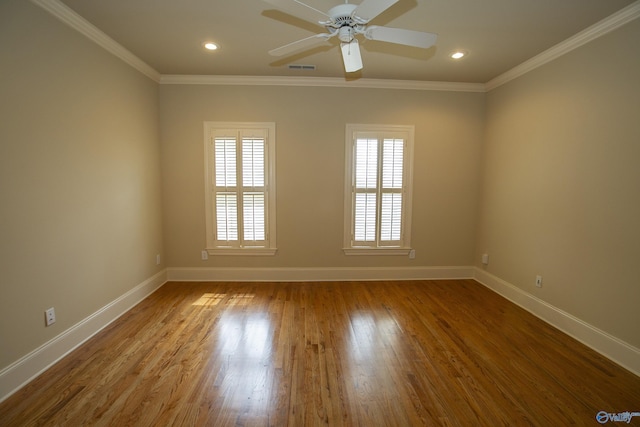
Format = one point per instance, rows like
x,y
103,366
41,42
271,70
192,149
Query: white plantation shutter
x,y
238,215
392,178
392,163
226,200
366,182
253,162
253,216
253,181
225,162
366,163
227,216
378,177
365,217
391,217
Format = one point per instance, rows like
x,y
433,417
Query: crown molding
x,y
77,22
320,82
71,18
613,22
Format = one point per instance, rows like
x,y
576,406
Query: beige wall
x,y
80,219
561,194
310,128
82,196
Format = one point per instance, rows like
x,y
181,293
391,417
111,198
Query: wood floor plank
x,y
409,353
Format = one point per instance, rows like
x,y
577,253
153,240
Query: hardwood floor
x,y
303,354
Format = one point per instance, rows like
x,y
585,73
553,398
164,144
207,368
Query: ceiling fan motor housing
x,y
342,19
341,16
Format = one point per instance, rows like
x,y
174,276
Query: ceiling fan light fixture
x,y
210,46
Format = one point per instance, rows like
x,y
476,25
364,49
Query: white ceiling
x,y
498,34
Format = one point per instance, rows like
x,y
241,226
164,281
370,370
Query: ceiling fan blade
x,y
369,9
351,56
301,10
400,36
314,40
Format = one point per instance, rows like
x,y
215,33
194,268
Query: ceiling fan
x,y
347,21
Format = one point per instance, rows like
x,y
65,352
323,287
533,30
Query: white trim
x,y
376,251
614,21
609,346
317,274
265,128
377,131
242,251
19,373
321,82
77,22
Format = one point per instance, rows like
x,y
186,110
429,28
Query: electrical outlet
x,y
539,281
412,254
205,255
158,259
50,316
485,259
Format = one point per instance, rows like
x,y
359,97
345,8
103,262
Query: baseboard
x,y
313,274
618,351
19,373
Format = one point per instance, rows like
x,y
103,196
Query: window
x,y
240,188
378,190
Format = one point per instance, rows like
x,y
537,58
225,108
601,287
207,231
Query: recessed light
x,y
458,54
210,46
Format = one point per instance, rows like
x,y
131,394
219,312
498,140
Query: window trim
x,y
270,247
350,137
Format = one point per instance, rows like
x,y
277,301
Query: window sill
x,y
242,251
377,251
